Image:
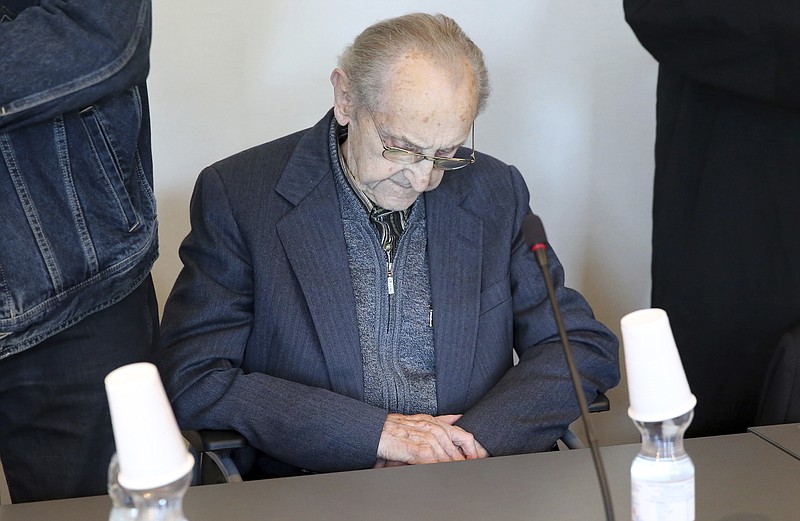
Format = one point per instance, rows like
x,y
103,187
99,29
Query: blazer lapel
x,y
313,239
455,238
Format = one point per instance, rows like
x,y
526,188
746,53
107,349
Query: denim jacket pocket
x,y
79,226
108,166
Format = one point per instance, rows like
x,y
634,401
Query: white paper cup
x,y
657,385
150,447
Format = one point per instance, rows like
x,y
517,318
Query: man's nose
x,y
419,175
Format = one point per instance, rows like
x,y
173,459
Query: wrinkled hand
x,y
422,438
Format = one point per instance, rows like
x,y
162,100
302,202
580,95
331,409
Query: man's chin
x,y
395,204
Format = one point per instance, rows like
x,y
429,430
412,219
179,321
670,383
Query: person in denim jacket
x,y
79,234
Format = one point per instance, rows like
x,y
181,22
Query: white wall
x,y
572,107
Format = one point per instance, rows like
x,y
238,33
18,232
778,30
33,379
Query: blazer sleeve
x,y
207,322
534,402
748,48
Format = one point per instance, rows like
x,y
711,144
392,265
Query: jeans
x,y
55,430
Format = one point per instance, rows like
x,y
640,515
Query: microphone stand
x,y
539,249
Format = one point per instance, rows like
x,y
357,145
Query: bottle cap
x,y
657,385
150,448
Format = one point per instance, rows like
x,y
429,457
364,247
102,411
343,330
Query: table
x,y
786,437
739,477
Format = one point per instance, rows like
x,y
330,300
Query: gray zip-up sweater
x,y
395,330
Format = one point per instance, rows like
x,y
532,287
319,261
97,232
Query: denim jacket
x,y
78,229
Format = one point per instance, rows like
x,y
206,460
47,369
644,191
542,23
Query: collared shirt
x,y
389,224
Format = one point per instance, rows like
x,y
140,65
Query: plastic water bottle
x,y
122,508
662,474
155,466
162,503
158,504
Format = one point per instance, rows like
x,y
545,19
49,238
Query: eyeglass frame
x,y
462,162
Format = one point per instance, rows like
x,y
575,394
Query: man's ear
x,y
342,97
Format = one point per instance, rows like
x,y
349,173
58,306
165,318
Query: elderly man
x,y
344,304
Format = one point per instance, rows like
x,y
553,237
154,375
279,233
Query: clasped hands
x,y
421,438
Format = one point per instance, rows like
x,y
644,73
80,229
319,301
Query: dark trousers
x,y
55,430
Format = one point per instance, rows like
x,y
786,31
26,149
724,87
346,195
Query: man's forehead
x,y
423,133
429,96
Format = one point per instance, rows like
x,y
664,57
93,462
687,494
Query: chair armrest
x,y
208,440
601,403
212,452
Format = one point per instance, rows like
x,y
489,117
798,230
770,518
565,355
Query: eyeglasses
x,y
407,157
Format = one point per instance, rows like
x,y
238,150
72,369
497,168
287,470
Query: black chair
x,y
212,452
780,396
213,449
601,403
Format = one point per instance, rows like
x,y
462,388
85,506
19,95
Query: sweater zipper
x,y
389,286
389,270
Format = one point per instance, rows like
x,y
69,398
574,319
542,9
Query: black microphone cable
x,y
533,233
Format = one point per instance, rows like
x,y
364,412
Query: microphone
x,y
535,238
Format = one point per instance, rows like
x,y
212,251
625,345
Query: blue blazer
x,y
260,332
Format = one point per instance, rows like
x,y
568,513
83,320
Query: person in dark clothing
x,y
727,184
352,294
78,234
